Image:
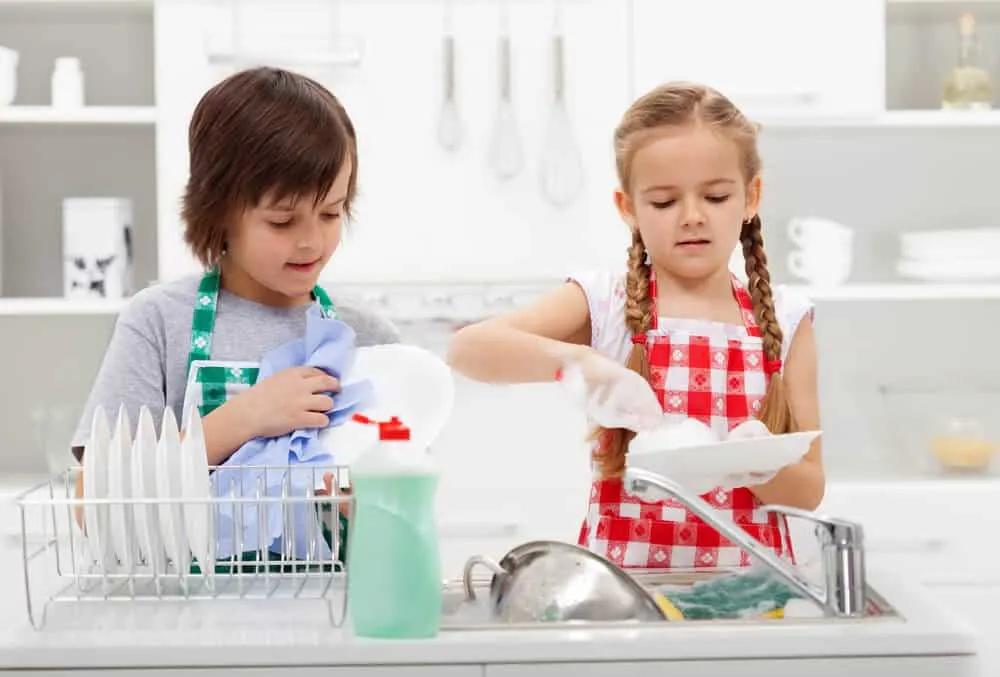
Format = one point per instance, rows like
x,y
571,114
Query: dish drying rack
x,y
60,568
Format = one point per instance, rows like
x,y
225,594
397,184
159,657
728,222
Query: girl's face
x,y
283,246
688,198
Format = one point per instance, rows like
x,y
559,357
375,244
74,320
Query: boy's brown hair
x,y
261,132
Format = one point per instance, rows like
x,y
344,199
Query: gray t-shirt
x,y
146,359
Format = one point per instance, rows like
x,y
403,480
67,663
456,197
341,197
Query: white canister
x,y
97,248
67,83
9,59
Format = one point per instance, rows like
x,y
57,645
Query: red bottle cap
x,y
393,429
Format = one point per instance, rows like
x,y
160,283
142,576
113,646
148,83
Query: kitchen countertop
x,y
298,633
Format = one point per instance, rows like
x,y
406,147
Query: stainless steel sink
x,y
461,614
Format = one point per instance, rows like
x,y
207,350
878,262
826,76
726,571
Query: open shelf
x,y
901,292
58,306
87,115
87,4
901,119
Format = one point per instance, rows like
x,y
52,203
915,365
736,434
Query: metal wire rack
x,y
266,535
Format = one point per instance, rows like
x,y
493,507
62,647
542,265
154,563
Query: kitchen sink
x,y
461,614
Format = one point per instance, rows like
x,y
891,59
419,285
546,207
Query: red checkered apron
x,y
718,378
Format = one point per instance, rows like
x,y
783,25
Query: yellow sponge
x,y
667,607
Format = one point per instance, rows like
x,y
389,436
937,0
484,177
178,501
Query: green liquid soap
x,y
394,563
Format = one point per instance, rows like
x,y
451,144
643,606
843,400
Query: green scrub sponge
x,y
755,593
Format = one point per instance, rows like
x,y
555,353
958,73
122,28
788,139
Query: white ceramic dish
x,y
95,486
197,490
120,489
949,271
409,382
168,486
147,528
706,463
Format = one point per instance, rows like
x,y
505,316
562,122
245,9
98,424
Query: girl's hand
x,y
612,395
289,400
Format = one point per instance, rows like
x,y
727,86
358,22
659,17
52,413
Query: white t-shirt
x,y
605,293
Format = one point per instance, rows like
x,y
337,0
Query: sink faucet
x,y
845,588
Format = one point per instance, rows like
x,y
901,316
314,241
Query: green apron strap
x,y
325,303
203,321
203,326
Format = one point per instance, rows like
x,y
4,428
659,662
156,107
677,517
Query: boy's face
x,y
284,245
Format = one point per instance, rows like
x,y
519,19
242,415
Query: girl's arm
x,y
526,345
802,484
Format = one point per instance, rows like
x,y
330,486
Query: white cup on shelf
x,y
825,251
823,268
9,59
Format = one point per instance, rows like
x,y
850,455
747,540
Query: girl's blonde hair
x,y
675,104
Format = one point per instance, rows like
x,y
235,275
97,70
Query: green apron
x,y
213,383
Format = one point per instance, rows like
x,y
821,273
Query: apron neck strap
x,y
740,293
206,306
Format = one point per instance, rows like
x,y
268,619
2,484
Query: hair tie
x,y
772,367
639,339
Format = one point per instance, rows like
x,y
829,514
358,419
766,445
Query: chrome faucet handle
x,y
833,530
843,554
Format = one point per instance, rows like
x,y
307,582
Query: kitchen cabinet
x,y
772,57
347,671
941,535
819,667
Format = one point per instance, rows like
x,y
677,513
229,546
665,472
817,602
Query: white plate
x,y
168,485
704,467
409,382
949,271
120,488
95,486
197,491
147,528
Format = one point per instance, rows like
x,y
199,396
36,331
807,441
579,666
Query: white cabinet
x,y
910,666
352,671
771,56
940,534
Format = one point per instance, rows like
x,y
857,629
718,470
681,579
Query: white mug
x,y
821,267
9,60
812,231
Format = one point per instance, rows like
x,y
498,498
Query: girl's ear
x,y
753,198
625,207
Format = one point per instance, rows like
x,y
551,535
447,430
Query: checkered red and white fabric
x,y
720,380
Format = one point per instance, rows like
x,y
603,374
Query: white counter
x,y
257,639
297,635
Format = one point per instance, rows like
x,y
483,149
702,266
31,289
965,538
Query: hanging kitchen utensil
x,y
450,130
505,153
562,164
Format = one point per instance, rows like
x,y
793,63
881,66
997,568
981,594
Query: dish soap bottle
x,y
393,561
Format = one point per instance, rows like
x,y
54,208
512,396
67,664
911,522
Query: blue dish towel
x,y
328,345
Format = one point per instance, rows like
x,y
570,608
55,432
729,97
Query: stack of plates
x,y
971,255
126,525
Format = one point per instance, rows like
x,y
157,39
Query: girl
x,y
710,347
273,174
